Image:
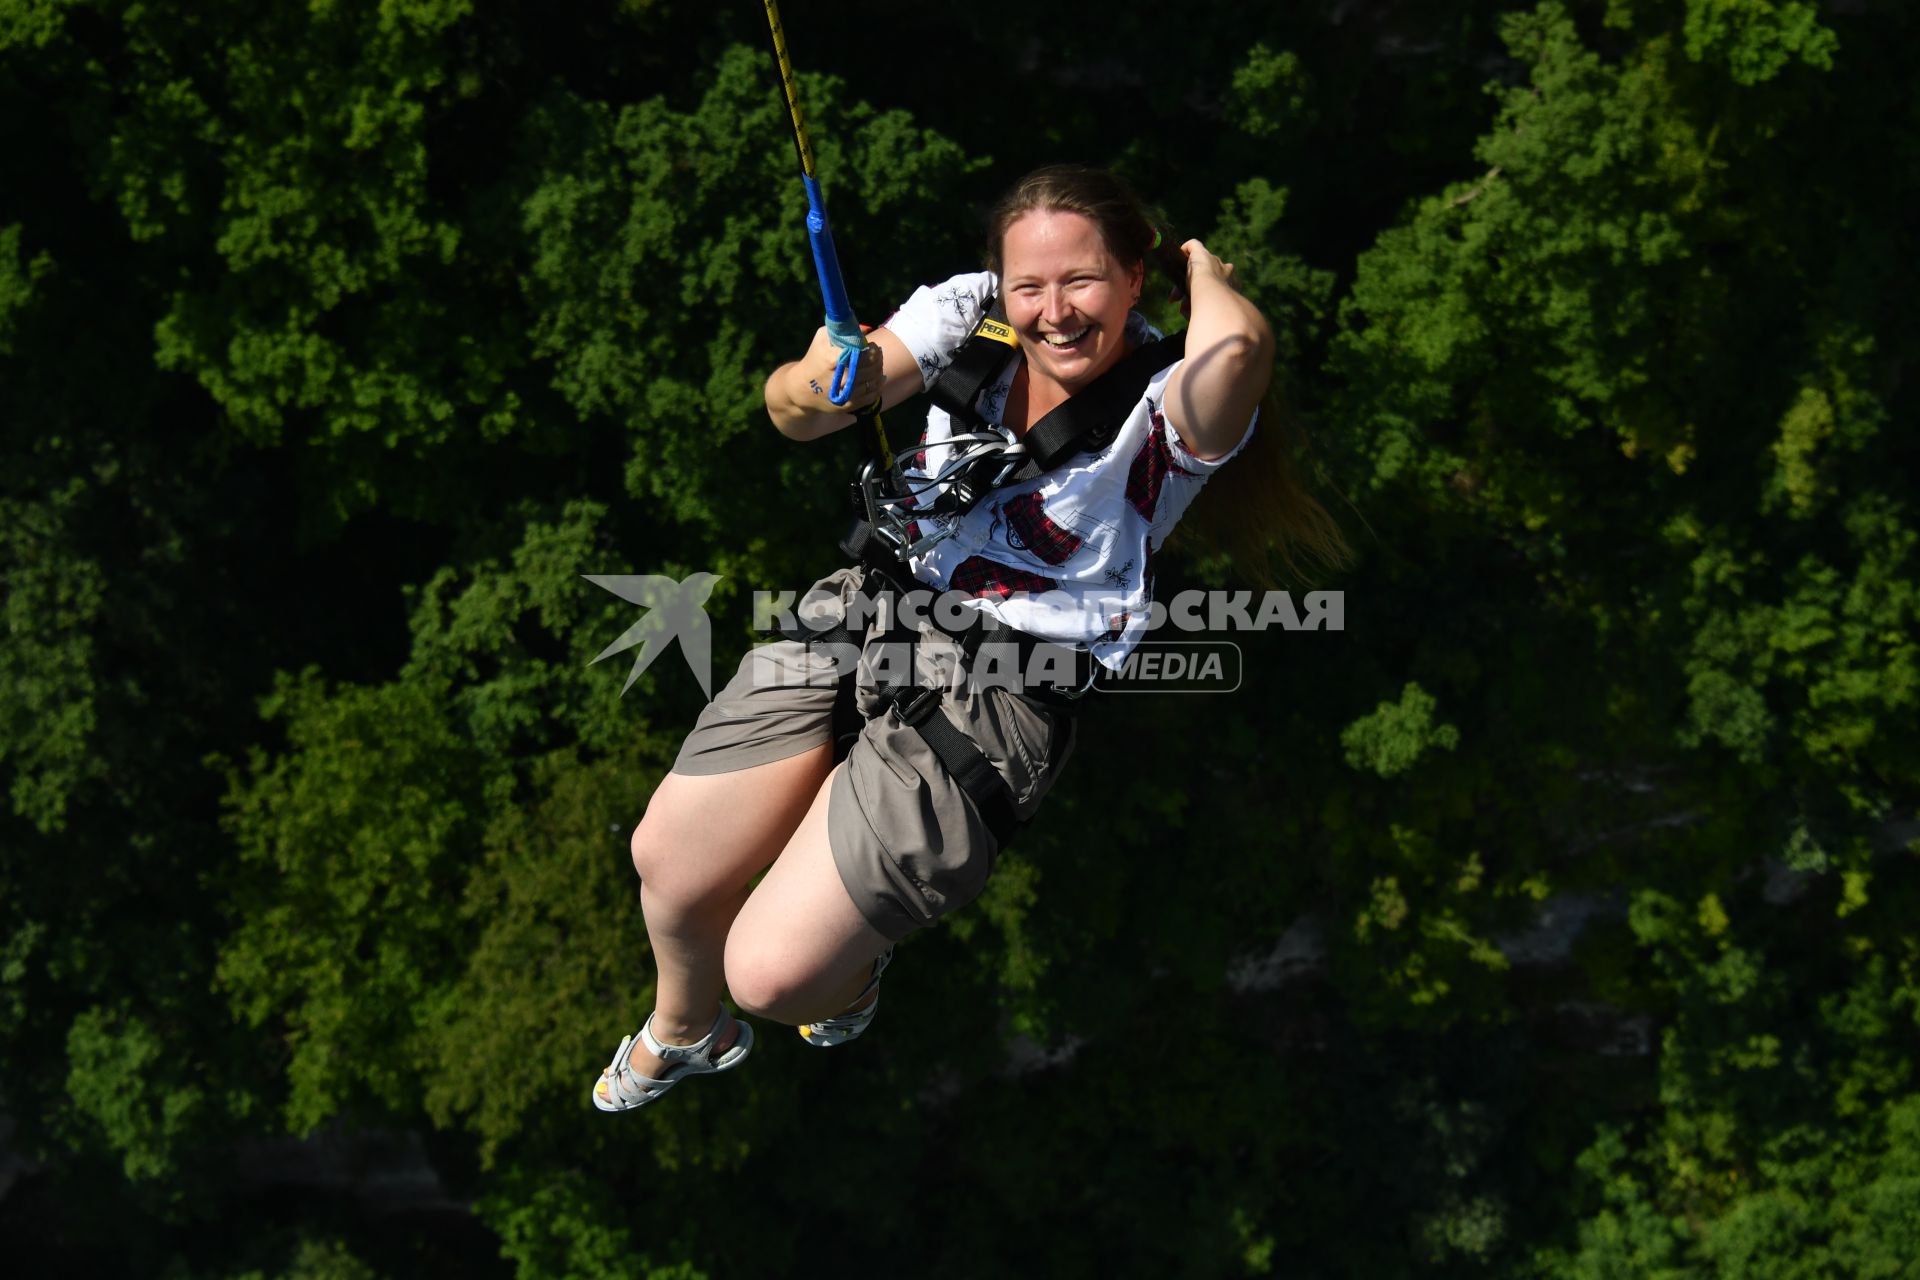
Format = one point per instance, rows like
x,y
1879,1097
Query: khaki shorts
x,y
909,845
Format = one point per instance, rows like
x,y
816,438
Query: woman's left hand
x,y
1202,262
1229,358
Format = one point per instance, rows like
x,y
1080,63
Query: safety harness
x,y
983,456
883,537
918,705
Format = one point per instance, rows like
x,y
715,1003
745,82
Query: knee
x,y
760,983
672,872
647,853
666,834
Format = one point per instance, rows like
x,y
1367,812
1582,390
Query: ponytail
x,y
1259,506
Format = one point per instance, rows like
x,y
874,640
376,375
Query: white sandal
x,y
829,1032
626,1088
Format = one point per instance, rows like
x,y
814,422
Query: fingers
x,y
868,375
823,372
869,378
1202,262
816,367
1199,256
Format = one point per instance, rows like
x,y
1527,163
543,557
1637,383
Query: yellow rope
x,y
786,82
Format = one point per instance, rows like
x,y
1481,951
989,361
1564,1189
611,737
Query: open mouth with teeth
x,y
1066,341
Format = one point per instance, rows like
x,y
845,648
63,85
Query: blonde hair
x,y
1256,507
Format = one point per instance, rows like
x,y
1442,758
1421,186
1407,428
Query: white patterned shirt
x,y
1068,555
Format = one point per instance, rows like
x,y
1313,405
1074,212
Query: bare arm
x,y
1229,362
797,393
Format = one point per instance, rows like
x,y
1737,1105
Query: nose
x,y
1053,306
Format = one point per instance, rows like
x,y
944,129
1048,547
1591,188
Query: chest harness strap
x,y
1086,422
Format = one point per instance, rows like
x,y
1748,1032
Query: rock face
x,y
1300,951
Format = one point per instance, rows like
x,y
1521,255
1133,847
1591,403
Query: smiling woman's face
x,y
1067,297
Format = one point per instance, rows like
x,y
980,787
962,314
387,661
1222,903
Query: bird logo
x,y
674,610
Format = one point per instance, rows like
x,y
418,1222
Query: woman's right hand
x,y
816,370
797,393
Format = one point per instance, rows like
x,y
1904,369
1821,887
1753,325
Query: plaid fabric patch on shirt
x,y
979,576
1150,467
1029,529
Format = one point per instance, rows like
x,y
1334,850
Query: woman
x,y
860,854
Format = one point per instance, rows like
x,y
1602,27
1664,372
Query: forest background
x,y
1554,919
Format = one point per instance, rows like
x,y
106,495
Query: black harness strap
x,y
1088,422
977,363
1085,423
918,705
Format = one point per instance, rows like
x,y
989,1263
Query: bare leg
x,y
800,950
697,850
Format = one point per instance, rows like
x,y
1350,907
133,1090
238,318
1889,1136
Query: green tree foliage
x,y
665,276
561,1229
1553,920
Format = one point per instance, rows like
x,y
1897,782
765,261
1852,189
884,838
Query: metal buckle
x,y
1068,693
1086,686
917,704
